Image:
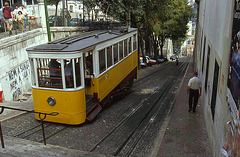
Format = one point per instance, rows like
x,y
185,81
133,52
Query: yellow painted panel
x,y
71,105
114,76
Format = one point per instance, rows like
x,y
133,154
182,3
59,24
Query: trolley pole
x,y
47,21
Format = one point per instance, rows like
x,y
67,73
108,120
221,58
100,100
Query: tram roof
x,y
80,41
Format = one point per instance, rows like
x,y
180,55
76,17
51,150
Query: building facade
x,y
217,60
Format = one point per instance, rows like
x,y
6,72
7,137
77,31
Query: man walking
x,y
8,16
194,90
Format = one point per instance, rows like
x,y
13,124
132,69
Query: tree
x,y
156,20
54,2
90,5
171,21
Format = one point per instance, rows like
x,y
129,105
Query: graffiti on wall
x,y
16,78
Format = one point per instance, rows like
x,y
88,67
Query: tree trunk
x,y
147,45
162,40
55,20
92,14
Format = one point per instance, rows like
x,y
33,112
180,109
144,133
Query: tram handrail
x,y
28,111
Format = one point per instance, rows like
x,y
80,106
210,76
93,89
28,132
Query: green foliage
x,y
161,18
53,2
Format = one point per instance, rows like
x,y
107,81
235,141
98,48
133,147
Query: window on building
x,y
102,62
203,57
215,87
207,68
71,8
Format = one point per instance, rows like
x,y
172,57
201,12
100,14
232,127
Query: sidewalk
x,y
186,133
7,113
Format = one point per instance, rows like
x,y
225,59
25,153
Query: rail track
x,y
126,137
143,116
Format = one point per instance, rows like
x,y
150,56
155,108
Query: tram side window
x,y
68,67
49,73
134,42
32,72
129,45
77,71
89,63
120,50
115,51
109,56
125,48
102,63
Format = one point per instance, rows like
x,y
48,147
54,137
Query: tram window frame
x,y
121,53
129,45
78,76
125,47
69,73
115,53
134,42
89,63
44,73
33,77
109,51
102,60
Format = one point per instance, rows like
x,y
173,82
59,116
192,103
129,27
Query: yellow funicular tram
x,y
75,75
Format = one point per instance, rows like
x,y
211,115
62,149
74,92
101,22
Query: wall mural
x,y
16,77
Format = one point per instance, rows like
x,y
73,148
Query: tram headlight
x,y
51,101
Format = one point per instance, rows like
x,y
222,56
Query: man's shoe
x,y
194,111
189,110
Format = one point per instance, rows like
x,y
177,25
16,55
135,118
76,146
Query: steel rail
x,y
134,110
155,72
144,130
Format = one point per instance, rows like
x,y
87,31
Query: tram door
x,y
88,66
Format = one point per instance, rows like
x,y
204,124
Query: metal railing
x,y
41,115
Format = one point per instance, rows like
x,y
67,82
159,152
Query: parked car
x,y
2,28
76,22
173,57
142,64
150,61
52,19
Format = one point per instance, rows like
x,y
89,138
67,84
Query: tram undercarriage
x,y
93,104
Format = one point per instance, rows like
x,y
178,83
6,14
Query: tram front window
x,y
49,73
32,72
68,67
77,71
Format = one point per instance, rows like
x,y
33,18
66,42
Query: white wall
x,y
215,23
